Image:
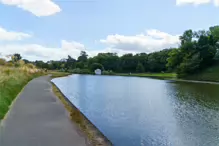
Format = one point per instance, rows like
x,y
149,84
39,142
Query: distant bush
x,y
80,71
108,73
2,61
217,55
29,65
16,64
76,70
9,64
95,66
85,71
7,71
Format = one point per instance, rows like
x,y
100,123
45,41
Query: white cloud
x,y
153,40
37,7
10,35
216,3
39,52
197,2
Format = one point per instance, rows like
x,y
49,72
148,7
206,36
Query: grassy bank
x,y
93,134
154,75
210,74
12,80
56,74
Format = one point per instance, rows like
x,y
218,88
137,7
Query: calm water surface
x,y
133,111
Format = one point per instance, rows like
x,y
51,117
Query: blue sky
x,y
45,29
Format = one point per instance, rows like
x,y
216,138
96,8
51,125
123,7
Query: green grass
x,y
155,75
12,81
56,74
210,74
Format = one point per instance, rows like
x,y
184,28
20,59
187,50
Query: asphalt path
x,y
38,118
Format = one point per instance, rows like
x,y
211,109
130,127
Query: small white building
x,y
98,71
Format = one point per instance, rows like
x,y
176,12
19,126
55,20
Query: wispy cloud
x,y
36,7
152,40
12,35
196,2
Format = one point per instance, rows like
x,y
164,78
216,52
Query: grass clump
x,y
56,74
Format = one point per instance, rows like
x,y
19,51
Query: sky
x,y
53,29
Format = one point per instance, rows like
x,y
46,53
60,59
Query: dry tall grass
x,y
12,80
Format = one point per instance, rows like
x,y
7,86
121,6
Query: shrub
x,y
85,71
76,71
29,65
80,71
108,73
9,64
17,64
2,61
95,66
21,62
7,71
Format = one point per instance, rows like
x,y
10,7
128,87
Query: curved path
x,y
38,118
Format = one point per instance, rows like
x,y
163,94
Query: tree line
x,y
111,62
197,51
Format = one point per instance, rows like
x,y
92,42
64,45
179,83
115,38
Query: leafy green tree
x,y
157,60
83,57
189,66
214,30
26,61
79,65
217,55
70,62
143,59
174,59
140,68
128,63
110,61
16,57
198,50
95,66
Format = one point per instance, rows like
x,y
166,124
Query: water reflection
x,y
196,111
134,111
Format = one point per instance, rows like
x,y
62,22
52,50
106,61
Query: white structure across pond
x,y
98,71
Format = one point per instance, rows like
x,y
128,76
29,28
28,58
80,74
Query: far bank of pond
x,y
144,111
161,75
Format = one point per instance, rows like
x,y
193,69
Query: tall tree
x,y
16,57
70,62
140,68
95,66
83,57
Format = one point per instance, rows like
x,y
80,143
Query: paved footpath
x,y
38,118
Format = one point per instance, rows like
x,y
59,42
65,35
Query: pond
x,y
134,111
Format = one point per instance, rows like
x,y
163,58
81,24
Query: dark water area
x,y
133,111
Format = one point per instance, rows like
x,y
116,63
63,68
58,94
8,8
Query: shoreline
x,y
94,135
161,76
194,81
166,77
